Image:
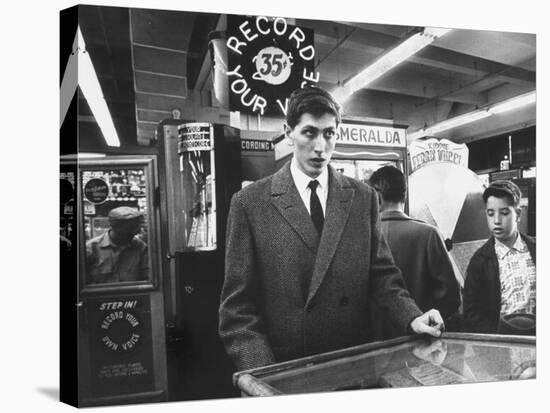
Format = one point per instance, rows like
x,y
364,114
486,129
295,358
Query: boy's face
x,y
502,219
313,139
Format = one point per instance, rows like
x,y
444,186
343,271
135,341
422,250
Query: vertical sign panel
x,y
121,349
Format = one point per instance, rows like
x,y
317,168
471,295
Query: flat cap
x,y
124,213
503,187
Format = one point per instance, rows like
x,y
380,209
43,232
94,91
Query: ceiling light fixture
x,y
89,84
458,121
388,61
514,103
497,108
449,124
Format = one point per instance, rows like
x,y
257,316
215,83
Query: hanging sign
x,y
423,152
268,59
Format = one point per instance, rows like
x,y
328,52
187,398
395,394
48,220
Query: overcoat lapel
x,y
288,202
340,197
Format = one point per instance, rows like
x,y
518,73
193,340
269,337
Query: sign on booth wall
x,y
268,58
256,145
194,136
357,135
424,152
370,135
96,191
121,348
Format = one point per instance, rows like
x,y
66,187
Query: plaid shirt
x,y
517,278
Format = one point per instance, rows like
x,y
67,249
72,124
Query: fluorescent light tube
x,y
514,103
388,61
449,124
436,31
89,84
507,105
457,121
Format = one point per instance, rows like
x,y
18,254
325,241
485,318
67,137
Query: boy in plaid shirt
x,y
501,276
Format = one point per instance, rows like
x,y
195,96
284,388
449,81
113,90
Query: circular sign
x,y
272,66
96,191
120,331
267,59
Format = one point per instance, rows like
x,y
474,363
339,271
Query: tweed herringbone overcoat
x,y
289,292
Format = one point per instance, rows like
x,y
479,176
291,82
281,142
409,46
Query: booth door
x,y
122,349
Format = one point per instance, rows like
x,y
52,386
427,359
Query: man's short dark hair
x,y
503,189
312,100
390,183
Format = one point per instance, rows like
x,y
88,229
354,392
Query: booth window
x,y
116,222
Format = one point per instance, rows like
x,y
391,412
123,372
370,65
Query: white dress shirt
x,y
301,180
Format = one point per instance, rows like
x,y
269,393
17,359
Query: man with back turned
x,y
305,255
418,250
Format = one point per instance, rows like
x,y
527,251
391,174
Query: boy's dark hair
x,y
312,100
390,183
503,189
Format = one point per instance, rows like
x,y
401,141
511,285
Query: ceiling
x,y
150,61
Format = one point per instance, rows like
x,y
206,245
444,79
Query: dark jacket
x,y
482,287
419,251
289,293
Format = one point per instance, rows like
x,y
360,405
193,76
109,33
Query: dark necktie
x,y
315,207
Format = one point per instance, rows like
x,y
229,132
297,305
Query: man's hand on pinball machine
x,y
430,323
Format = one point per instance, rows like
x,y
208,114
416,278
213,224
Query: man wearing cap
x,y
501,277
305,256
117,255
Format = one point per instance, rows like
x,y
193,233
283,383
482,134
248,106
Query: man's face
x,y
313,139
124,231
502,219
